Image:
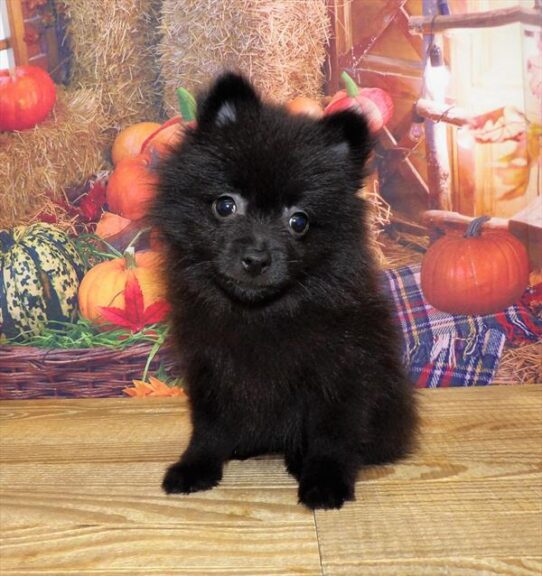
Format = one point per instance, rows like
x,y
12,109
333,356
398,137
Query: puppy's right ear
x,y
230,94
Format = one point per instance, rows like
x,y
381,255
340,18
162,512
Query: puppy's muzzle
x,y
255,260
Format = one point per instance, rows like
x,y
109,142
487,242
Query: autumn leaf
x,y
134,315
92,203
154,387
515,168
156,312
499,125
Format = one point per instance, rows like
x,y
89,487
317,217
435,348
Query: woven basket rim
x,y
39,372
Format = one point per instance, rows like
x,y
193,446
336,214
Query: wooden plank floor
x,y
80,495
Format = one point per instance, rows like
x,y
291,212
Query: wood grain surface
x,y
80,495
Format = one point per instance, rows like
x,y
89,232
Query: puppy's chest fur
x,y
263,375
255,360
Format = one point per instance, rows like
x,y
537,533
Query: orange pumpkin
x,y
27,95
128,141
171,133
165,138
110,224
306,106
478,273
132,186
104,284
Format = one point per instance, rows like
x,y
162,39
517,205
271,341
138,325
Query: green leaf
x,y
352,88
187,104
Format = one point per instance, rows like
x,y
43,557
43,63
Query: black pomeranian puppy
x,y
287,344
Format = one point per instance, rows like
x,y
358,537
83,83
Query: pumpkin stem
x,y
129,253
352,88
187,104
12,73
475,227
129,258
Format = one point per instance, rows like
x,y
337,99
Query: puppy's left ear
x,y
228,96
348,136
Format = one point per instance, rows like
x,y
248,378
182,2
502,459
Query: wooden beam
x,y
446,219
415,41
331,83
442,113
489,19
438,166
387,15
16,27
405,167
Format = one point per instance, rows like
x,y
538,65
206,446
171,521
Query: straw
x,y
520,365
279,45
113,50
38,164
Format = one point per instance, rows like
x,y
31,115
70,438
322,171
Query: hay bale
x,y
280,45
58,152
112,45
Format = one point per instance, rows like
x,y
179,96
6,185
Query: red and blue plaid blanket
x,y
441,349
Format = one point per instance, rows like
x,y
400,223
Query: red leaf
x,y
92,203
97,191
48,218
133,302
135,316
156,312
116,316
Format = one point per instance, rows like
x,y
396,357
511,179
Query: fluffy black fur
x,y
288,345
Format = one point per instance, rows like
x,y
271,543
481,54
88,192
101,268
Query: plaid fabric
x,y
441,349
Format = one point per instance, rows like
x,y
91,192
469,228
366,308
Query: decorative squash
x,y
27,95
128,141
132,186
104,284
306,106
40,270
374,103
478,273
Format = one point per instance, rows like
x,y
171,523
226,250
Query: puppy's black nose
x,y
256,261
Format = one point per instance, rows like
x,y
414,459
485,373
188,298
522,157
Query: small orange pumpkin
x,y
128,141
306,106
171,133
165,137
478,273
132,186
27,95
104,284
110,224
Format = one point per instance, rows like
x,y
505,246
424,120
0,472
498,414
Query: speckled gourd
x,y
40,271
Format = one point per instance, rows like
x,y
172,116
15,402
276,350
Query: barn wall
x,y
487,69
374,46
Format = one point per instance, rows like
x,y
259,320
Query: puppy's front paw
x,y
185,478
324,486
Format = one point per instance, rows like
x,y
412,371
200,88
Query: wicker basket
x,y
31,372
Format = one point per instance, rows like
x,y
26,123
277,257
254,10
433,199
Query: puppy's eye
x,y
224,206
298,223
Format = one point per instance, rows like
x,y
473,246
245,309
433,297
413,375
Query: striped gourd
x,y
40,271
